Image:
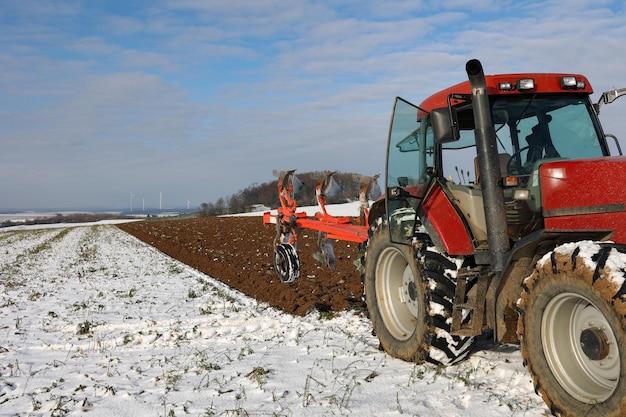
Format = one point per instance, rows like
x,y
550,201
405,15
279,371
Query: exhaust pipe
x,y
489,167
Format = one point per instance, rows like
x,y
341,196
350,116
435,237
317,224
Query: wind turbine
x,y
131,201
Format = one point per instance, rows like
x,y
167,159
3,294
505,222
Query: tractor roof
x,y
514,84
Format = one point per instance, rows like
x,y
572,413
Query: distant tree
x,y
220,207
235,204
205,209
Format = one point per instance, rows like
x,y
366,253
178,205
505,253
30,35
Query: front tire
x,y
572,329
410,302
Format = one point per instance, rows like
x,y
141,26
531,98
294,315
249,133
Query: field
x,y
96,322
238,251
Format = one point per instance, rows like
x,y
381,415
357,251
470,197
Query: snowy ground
x,y
94,322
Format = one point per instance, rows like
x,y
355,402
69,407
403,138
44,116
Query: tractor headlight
x,y
521,194
525,84
571,83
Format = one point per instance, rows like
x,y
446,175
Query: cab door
x,y
410,151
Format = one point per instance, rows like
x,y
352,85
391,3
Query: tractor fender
x,y
444,224
505,290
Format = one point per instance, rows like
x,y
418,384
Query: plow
x,y
290,221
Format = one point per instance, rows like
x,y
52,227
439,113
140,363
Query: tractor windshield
x,y
529,129
548,126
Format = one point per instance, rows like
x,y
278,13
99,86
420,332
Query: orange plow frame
x,y
289,222
334,227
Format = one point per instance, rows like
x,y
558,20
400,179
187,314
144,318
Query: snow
x,y
587,249
94,322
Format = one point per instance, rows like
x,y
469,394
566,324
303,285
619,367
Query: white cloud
x,y
124,25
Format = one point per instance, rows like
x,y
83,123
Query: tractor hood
x,y
581,194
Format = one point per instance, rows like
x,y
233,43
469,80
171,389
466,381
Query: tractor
x,y
504,216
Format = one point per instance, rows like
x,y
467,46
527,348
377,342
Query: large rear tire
x,y
572,329
410,301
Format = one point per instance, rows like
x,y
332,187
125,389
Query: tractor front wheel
x,y
572,329
410,301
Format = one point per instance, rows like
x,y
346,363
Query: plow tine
x,y
280,173
367,185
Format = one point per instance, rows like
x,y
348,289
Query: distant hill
x,y
267,194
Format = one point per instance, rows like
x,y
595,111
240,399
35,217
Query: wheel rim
x,y
580,347
396,293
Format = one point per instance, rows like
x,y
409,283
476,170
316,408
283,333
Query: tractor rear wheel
x,y
572,329
410,301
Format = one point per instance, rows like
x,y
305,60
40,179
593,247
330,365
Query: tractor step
x,y
468,312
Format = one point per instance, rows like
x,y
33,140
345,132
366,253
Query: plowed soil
x,y
238,251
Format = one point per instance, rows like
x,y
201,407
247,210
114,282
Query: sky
x,y
181,102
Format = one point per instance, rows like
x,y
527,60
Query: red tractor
x,y
504,212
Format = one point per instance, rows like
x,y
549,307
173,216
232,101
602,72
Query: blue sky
x,y
198,99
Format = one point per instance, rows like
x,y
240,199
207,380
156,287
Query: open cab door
x,y
410,154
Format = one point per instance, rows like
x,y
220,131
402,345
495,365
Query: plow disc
x,y
286,263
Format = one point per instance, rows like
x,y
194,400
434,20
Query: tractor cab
x,y
432,161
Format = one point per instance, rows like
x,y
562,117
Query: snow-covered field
x,y
94,322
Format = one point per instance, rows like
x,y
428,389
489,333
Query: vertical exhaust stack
x,y
489,167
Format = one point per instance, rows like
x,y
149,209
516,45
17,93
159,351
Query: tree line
x,y
267,194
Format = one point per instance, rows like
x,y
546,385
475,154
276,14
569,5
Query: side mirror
x,y
445,125
609,97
